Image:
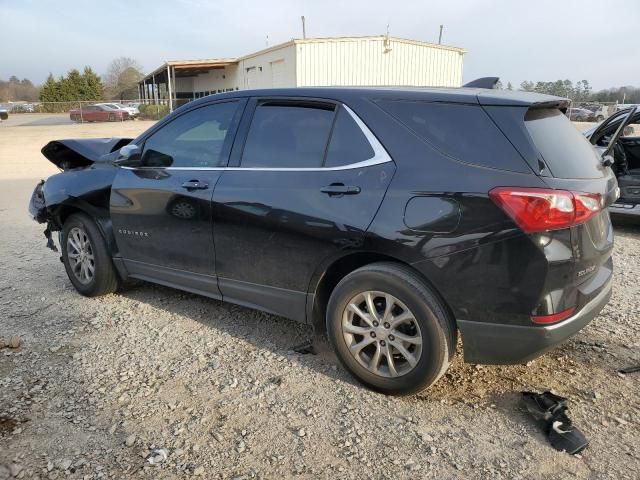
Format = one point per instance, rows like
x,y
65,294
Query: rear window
x,y
567,153
463,132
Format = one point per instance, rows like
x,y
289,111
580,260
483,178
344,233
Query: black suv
x,y
391,219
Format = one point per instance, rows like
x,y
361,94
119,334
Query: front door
x,y
161,209
307,186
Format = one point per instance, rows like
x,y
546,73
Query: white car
x,y
132,111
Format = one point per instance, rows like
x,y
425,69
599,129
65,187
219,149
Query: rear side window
x,y
463,132
565,151
288,135
348,143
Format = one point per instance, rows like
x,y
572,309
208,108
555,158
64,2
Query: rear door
x,y
161,210
302,187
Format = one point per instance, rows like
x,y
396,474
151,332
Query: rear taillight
x,y
553,318
541,209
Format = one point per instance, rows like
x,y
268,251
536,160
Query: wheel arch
x,y
62,212
320,289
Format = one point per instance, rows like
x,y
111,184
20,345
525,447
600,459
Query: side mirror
x,y
129,155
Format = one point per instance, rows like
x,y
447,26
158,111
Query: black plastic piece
x,y
550,411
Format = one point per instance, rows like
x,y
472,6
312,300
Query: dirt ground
x,y
98,384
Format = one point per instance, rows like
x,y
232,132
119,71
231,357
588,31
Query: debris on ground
x,y
631,369
550,411
157,455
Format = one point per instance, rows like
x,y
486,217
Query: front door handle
x,y
195,185
339,189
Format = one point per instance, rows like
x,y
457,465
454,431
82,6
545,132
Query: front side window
x,y
288,135
195,139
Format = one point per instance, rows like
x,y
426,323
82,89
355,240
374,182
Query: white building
x,y
343,61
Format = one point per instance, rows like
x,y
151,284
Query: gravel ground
x,y
100,386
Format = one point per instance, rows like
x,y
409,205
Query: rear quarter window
x,y
463,132
565,151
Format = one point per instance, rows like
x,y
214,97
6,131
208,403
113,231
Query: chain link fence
x,y
96,110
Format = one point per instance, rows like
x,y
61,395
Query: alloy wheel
x,y
80,254
382,334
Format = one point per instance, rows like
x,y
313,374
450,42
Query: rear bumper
x,y
625,210
491,343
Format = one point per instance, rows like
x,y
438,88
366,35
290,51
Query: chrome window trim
x,y
380,156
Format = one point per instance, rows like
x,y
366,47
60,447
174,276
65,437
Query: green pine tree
x,y
93,85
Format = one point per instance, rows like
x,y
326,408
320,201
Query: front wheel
x,y
86,258
389,329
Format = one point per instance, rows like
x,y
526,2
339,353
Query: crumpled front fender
x,y
84,190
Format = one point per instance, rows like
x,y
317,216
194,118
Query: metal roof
x,y
191,67
194,67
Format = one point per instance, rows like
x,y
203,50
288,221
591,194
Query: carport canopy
x,y
166,74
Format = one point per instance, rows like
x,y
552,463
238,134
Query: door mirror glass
x,y
130,155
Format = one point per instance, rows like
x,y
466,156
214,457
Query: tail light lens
x,y
542,209
554,318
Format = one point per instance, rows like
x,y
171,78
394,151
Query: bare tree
x,y
121,78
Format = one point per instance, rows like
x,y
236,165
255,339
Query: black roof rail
x,y
484,82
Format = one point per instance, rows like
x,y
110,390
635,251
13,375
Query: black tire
x,y
105,278
436,326
600,118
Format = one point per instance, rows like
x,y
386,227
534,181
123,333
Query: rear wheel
x,y
389,329
86,258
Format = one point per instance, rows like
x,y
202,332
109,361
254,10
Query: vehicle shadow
x,y
264,331
462,383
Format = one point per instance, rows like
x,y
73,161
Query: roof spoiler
x,y
484,82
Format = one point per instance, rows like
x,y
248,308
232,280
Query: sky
x,y
515,40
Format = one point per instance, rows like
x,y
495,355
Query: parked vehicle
x,y
22,108
131,111
581,115
98,113
618,139
600,112
391,219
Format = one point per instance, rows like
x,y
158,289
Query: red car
x,y
97,113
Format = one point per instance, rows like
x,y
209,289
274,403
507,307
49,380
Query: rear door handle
x,y
339,189
195,185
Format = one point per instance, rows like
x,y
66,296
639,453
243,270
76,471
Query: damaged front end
x,y
84,184
38,211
